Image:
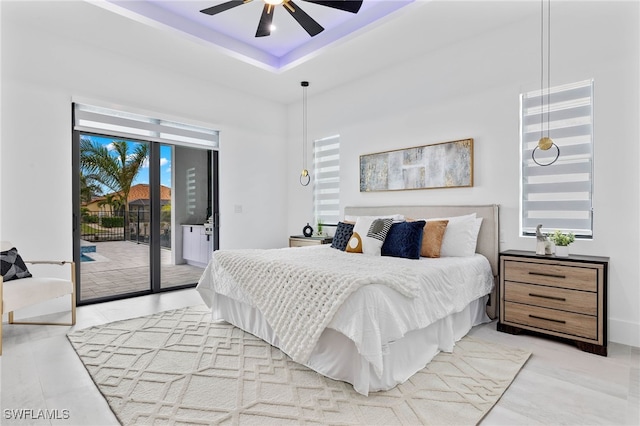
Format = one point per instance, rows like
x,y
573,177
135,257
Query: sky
x,y
143,174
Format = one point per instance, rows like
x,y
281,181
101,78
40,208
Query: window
x,y
326,181
559,195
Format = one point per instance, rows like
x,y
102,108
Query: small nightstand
x,y
560,296
301,241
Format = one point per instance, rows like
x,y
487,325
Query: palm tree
x,y
113,201
114,168
88,191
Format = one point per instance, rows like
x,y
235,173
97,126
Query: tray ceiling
x,y
233,31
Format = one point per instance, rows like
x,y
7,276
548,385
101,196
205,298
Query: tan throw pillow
x,y
355,244
432,238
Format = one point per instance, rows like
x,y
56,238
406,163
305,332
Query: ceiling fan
x,y
306,21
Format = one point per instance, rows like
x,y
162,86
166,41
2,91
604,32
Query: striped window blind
x,y
88,118
326,181
558,196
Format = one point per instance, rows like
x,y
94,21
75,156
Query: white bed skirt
x,y
337,357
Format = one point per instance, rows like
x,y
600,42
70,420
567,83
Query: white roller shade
x,y
558,196
134,126
326,179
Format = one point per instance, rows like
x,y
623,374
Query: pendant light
x,y
305,177
545,142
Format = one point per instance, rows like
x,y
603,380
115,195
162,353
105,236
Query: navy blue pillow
x,y
342,236
404,240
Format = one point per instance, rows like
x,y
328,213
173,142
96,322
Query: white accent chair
x,y
16,294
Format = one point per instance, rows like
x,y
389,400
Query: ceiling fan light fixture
x,y
310,25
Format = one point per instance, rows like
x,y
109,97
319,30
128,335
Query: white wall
x,y
470,90
42,72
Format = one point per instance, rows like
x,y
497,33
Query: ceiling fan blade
x,y
224,6
264,26
306,21
346,5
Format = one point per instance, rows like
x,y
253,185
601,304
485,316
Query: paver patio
x,y
121,267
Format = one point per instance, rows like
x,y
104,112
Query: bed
x,y
387,322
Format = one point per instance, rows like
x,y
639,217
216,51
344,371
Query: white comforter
x,y
376,314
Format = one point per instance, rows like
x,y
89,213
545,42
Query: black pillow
x,y
342,235
13,266
404,240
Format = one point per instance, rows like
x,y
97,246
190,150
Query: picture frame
x,y
439,165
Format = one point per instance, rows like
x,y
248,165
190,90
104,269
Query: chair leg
x,y
73,293
41,323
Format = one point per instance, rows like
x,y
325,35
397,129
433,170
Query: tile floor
x,y
558,385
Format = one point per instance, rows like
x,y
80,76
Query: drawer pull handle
x,y
547,319
547,275
561,299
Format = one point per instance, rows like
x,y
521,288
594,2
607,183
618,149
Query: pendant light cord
x,y
548,64
541,68
304,127
548,91
545,143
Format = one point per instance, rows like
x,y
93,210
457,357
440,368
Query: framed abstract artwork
x,y
440,165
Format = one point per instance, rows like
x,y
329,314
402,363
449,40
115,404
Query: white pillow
x,y
371,232
461,235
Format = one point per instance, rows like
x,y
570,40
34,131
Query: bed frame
x,y
488,239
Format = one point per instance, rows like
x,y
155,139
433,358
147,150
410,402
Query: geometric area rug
x,y
179,368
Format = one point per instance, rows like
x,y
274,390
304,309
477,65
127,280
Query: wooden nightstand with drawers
x,y
301,241
564,297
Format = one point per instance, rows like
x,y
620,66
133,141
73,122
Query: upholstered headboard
x,y
488,239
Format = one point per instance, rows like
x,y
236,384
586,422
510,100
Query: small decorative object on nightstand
x,y
307,230
543,246
564,297
301,241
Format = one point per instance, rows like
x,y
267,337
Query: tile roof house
x,y
138,198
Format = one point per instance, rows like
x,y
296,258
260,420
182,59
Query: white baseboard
x,y
625,332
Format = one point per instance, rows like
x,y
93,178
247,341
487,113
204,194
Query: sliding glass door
x,y
145,215
187,220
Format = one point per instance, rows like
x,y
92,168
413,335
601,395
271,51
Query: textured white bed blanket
x,y
301,291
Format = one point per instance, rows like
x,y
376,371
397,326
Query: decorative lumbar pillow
x,y
372,232
432,238
12,265
404,240
342,235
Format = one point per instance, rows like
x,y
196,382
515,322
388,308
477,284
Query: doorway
x,y
145,215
